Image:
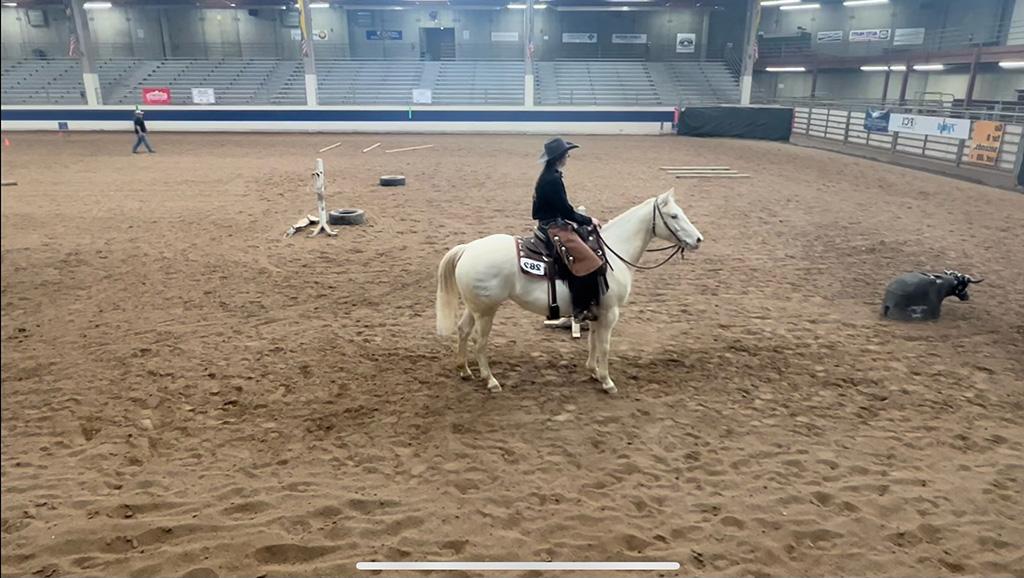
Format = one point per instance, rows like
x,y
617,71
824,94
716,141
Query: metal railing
x,y
934,42
1003,111
846,126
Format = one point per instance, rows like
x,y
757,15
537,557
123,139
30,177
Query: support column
x,y
885,85
904,83
308,58
90,78
704,28
972,78
814,80
747,72
528,96
165,34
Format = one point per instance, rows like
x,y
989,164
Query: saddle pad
x,y
530,263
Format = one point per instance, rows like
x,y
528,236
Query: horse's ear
x,y
664,198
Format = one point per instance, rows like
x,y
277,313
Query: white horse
x,y
485,273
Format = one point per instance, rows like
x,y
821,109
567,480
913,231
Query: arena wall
x,y
536,120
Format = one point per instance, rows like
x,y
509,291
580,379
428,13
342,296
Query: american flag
x,y
73,46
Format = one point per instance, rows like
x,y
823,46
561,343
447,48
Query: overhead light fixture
x,y
779,2
898,68
864,2
516,7
319,5
1012,64
11,4
928,67
800,6
97,5
870,68
785,69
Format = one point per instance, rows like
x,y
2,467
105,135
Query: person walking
x,y
140,133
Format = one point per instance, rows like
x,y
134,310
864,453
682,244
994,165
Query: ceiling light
x,y
11,4
97,5
319,5
1012,64
928,67
516,6
800,6
881,68
864,2
898,68
785,69
778,2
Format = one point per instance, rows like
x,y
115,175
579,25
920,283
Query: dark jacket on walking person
x,y
140,133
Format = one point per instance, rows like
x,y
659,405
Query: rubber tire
x,y
346,217
392,181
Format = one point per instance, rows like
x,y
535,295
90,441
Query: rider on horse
x,y
553,211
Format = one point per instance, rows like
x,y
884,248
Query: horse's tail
x,y
448,292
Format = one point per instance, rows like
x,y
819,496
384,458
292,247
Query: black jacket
x,y
551,202
140,125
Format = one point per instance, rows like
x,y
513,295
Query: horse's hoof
x,y
611,389
465,373
595,376
494,387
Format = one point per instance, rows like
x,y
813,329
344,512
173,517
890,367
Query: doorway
x,y
437,43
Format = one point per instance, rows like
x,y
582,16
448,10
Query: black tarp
x,y
766,123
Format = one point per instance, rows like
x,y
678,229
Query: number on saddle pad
x,y
532,267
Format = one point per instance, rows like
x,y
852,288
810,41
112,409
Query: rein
x,y
677,249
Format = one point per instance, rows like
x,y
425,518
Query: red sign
x,y
156,96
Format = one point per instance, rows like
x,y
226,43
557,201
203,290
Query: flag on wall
x,y
73,51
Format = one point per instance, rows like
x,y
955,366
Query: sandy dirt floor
x,y
186,393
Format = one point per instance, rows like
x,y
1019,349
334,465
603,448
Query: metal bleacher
x,y
709,82
368,81
596,83
49,81
378,82
479,82
235,81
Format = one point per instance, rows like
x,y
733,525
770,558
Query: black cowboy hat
x,y
555,148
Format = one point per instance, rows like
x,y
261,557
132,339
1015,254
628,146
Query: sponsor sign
x,y
629,39
870,35
203,96
986,138
421,96
908,36
579,38
876,120
504,37
156,95
686,42
383,34
296,34
930,125
830,36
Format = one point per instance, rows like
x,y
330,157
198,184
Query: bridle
x,y
677,249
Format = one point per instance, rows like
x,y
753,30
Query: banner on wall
x,y
908,36
876,120
203,96
930,125
504,37
686,42
579,38
870,35
830,36
383,34
296,34
986,138
629,39
160,95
